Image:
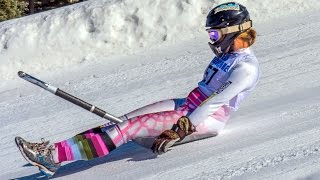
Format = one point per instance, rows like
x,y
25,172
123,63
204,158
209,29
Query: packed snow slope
x,y
121,55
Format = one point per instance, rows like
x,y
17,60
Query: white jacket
x,y
226,82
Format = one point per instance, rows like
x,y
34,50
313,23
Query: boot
x,y
38,154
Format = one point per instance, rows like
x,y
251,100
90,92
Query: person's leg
x,y
161,106
210,127
84,146
143,129
100,141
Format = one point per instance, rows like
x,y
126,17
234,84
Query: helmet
x,y
224,24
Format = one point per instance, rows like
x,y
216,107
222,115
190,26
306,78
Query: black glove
x,y
177,133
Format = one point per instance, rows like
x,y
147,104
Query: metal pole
x,y
69,97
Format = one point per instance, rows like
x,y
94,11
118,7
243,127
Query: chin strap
x,y
231,47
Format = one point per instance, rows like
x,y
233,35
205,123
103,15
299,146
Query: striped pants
x,y
141,126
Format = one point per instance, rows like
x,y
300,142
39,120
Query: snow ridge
x,y
88,32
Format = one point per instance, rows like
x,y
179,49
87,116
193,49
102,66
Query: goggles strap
x,y
237,28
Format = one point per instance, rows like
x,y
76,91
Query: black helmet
x,y
230,19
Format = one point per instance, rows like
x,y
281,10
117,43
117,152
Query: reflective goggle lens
x,y
214,34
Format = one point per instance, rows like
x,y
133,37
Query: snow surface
x,y
121,55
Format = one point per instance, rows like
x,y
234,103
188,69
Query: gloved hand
x,y
178,132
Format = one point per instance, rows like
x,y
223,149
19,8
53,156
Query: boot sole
x,y
42,168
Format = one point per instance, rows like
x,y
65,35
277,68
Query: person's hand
x,y
178,132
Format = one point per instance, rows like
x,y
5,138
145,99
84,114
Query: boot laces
x,y
42,147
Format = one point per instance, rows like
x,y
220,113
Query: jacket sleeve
x,y
242,78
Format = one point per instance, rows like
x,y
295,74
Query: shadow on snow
x,y
131,151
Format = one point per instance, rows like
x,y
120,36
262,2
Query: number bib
x,y
217,73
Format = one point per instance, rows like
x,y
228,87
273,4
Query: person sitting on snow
x,y
229,78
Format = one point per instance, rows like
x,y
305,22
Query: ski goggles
x,y
216,34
